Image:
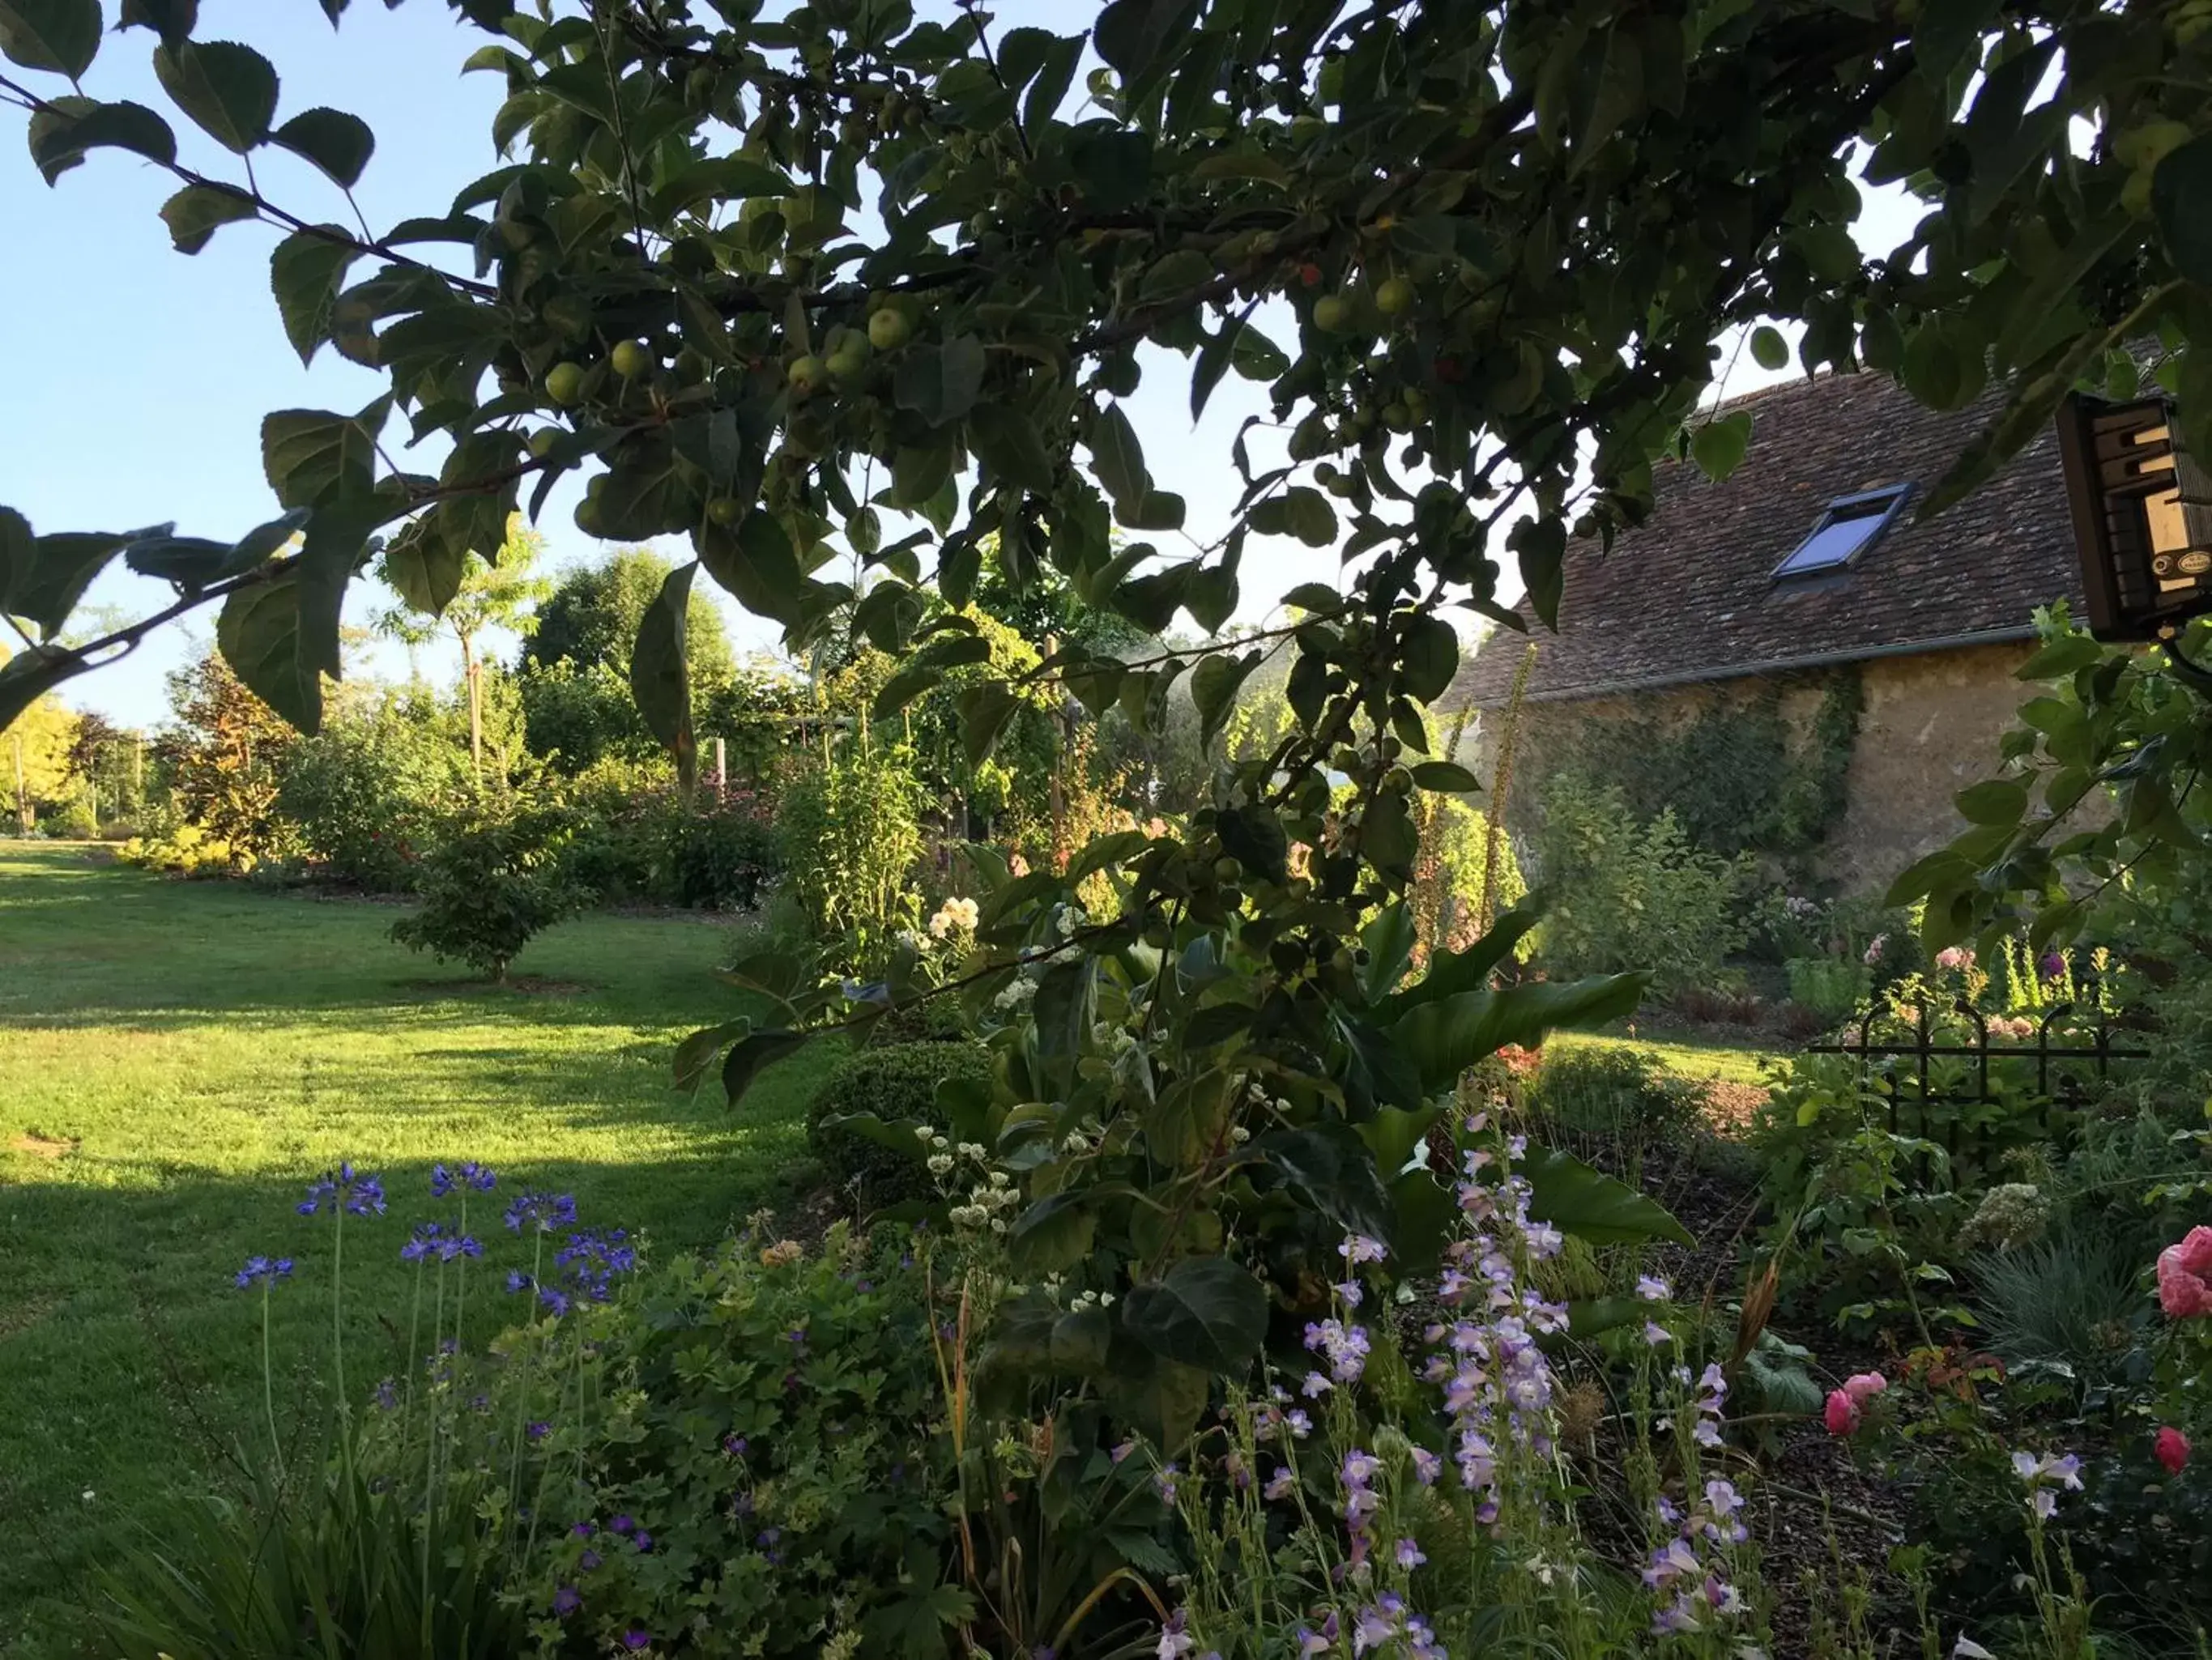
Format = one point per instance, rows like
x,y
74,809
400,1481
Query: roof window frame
x,y
1896,495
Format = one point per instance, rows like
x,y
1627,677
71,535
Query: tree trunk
x,y
22,789
475,676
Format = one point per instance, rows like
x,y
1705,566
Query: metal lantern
x,y
2142,517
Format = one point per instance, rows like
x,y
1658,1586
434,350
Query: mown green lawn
x,y
1699,1059
178,1060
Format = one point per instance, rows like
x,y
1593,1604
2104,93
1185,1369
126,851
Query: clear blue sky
x,y
142,375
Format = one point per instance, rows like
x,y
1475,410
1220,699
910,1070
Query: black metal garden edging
x,y
1919,1045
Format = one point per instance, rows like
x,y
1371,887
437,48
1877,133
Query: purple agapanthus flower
x,y
263,1271
361,1194
471,1174
543,1211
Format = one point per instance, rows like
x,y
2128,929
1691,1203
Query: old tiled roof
x,y
1691,595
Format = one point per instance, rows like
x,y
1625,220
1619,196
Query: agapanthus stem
x,y
269,1387
337,1303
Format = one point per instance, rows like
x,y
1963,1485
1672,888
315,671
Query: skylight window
x,y
1852,525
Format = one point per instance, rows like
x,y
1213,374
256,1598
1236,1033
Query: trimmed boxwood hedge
x,y
895,1083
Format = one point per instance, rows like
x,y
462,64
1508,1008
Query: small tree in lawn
x,y
502,593
491,885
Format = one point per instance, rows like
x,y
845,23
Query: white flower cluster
x,y
1114,1041
1084,1299
955,915
987,1204
1015,994
1072,917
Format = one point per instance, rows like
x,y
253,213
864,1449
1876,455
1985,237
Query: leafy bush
x,y
1602,1095
367,794
578,716
890,1086
637,843
760,1471
489,886
1829,988
73,821
1633,893
851,832
185,850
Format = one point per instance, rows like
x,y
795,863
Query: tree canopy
x,y
590,615
850,290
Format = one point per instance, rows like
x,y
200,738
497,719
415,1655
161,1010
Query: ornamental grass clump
x,y
408,1529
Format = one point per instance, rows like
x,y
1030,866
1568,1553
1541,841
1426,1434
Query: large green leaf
x,y
423,567
752,1055
2181,196
30,674
756,563
1214,687
1116,456
659,676
313,455
1333,1169
1454,971
229,90
339,143
940,383
1054,1235
305,272
196,212
1132,36
1581,1202
1444,1037
258,634
1207,1312
332,548
1430,658
61,36
1005,439
43,578
62,133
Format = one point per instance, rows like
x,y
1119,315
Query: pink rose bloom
x,y
1842,1415
1864,1386
2171,1449
2184,1276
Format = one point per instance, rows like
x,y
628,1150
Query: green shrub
x,y
1633,894
637,843
367,793
73,821
1830,988
851,831
1601,1097
891,1085
489,886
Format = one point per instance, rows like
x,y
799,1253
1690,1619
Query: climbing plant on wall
x,y
1737,772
